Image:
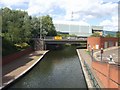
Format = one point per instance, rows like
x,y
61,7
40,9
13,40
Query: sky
x,y
87,12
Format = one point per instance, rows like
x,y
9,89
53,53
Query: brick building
x,y
101,42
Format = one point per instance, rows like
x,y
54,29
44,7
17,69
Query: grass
x,y
21,45
88,52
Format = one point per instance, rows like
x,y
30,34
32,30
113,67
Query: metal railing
x,y
67,38
94,81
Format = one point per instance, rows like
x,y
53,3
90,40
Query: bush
x,y
8,47
22,45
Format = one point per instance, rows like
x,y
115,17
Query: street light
x,y
101,53
40,18
41,28
44,33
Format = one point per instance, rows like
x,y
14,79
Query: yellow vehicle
x,y
58,38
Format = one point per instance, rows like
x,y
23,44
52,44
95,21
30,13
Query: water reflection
x,y
58,69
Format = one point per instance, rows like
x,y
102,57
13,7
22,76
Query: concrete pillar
x,y
44,46
39,44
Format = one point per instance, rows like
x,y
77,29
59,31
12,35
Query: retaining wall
x,y
12,57
107,73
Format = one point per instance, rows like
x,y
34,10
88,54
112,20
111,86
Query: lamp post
x,y
40,19
40,28
101,53
44,33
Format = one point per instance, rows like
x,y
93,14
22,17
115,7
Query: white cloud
x,y
111,24
71,22
106,23
41,6
93,8
9,3
87,9
84,10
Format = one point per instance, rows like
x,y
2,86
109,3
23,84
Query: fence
x,y
94,81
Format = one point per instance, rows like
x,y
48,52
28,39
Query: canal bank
x,y
58,69
14,70
88,81
90,75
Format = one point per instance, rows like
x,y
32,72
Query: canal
x,y
58,69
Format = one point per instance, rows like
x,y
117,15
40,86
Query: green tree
x,y
16,25
35,27
95,35
118,34
26,29
109,35
5,18
48,26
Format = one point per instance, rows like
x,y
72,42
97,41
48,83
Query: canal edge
x,y
24,72
88,81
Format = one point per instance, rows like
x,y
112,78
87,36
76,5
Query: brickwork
x,y
39,44
99,42
12,57
107,73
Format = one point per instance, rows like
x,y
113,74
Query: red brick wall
x,y
12,57
115,75
107,74
103,40
92,41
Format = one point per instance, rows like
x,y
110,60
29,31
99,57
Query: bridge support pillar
x,y
44,46
39,44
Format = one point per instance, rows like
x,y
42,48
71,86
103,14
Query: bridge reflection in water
x,y
58,69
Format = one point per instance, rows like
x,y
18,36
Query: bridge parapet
x,y
66,38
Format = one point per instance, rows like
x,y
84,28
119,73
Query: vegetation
x,y
109,35
47,25
18,29
8,47
118,35
88,52
95,35
65,34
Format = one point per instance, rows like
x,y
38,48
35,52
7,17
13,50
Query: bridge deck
x,y
63,41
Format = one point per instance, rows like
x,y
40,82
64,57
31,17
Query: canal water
x,y
58,69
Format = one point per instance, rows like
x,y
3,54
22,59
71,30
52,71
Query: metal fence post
x,y
101,53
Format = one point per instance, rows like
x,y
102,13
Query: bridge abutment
x,y
39,44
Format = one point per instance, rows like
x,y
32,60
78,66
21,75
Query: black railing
x,y
94,81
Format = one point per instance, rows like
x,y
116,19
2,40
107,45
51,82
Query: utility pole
x,y
72,16
101,53
40,27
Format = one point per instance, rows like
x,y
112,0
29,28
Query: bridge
x,y
41,43
64,41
